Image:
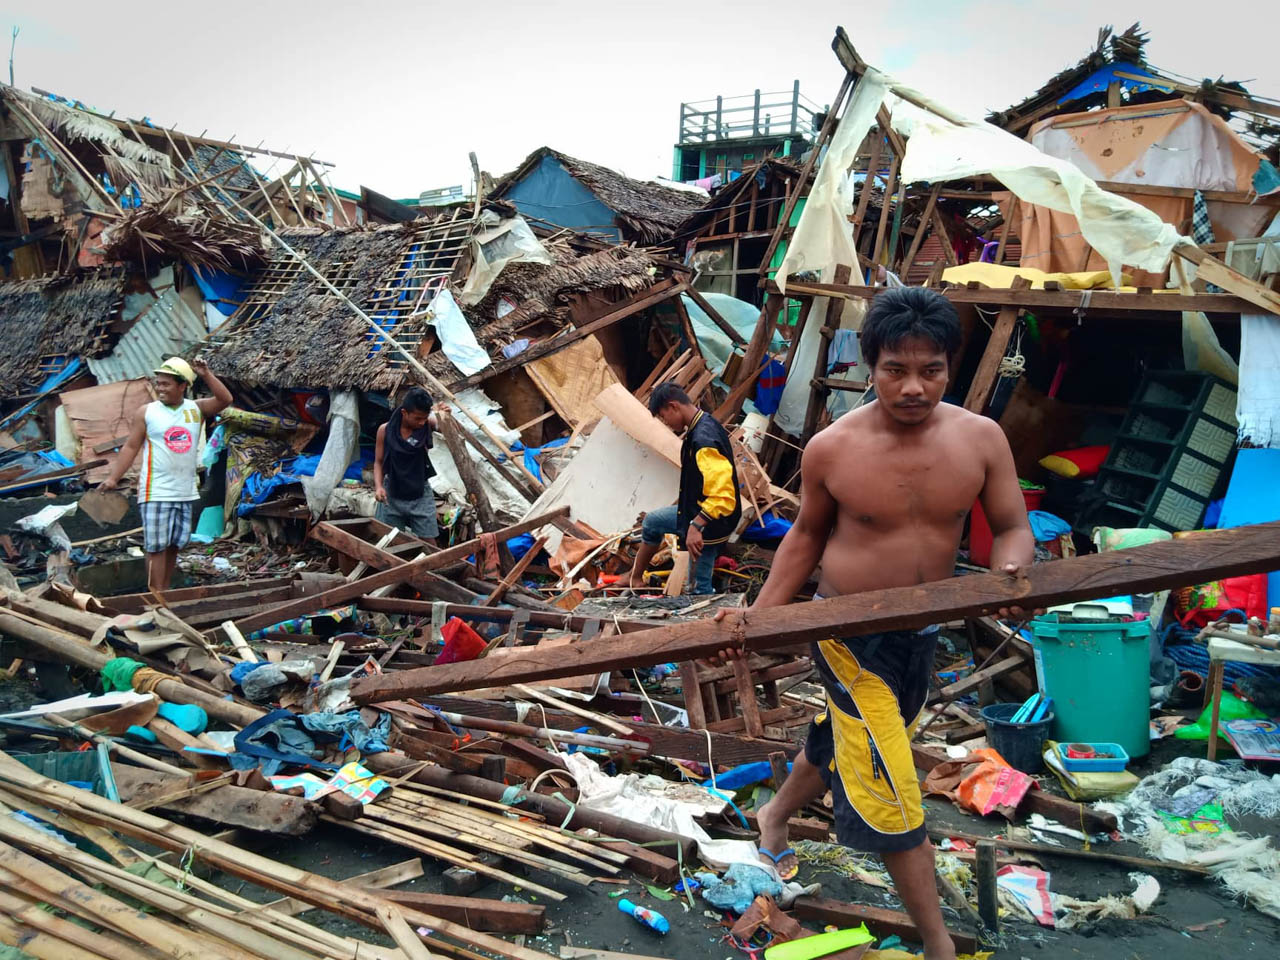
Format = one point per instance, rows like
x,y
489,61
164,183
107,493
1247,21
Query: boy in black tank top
x,y
401,467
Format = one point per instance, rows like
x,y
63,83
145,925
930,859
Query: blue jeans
x,y
662,521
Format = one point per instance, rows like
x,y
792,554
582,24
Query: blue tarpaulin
x,y
258,489
223,290
51,383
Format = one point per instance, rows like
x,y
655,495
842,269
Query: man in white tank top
x,y
167,432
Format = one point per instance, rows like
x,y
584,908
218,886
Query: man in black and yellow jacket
x,y
709,506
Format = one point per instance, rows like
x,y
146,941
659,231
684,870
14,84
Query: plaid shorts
x,y
165,524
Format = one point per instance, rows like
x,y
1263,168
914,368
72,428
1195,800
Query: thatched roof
x,y
52,319
735,194
1111,48
543,292
646,212
290,331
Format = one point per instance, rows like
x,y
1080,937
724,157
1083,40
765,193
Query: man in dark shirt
x,y
709,507
401,467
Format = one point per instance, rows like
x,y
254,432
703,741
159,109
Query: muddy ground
x,y
589,917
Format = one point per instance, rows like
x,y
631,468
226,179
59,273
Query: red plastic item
x,y
460,642
980,537
1080,751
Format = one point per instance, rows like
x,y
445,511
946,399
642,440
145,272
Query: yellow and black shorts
x,y
876,687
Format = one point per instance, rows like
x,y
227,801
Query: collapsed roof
x,y
46,323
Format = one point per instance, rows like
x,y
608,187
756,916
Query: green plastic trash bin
x,y
1098,672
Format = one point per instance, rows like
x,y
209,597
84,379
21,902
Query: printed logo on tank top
x,y
178,439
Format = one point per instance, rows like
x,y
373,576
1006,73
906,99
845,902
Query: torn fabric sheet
x,y
1121,231
824,235
457,339
1258,400
625,796
340,448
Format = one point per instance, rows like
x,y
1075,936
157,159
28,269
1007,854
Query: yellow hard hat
x,y
177,367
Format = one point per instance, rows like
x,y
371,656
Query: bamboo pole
x,y
358,905
395,344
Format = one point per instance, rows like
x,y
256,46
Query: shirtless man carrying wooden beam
x,y
884,493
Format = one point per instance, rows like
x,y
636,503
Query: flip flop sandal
x,y
776,857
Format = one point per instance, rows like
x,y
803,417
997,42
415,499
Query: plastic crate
x,y
1118,760
80,766
1177,511
1221,404
1211,441
1196,475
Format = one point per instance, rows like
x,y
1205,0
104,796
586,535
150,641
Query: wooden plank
x,y
373,880
233,806
1212,270
729,329
476,913
432,584
537,618
920,231
345,593
976,679
864,195
754,357
692,692
1100,301
673,742
663,290
746,687
818,395
988,371
767,718
1004,230
1027,846
886,201
988,896
883,923
1175,563
511,578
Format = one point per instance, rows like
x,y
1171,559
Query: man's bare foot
x,y
774,851
634,580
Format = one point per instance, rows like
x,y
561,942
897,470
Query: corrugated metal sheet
x,y
166,328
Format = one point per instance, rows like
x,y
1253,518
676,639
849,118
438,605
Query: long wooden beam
x,y
1158,566
1098,301
663,290
347,592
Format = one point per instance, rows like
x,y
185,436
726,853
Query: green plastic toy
x,y
819,945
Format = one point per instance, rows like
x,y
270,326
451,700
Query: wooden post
x,y
747,703
989,366
511,578
864,195
778,764
793,196
886,202
1004,230
471,484
921,226
988,897
817,391
692,693
755,354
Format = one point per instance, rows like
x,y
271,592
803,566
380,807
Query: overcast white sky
x,y
395,93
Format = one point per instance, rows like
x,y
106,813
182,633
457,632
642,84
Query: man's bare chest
x,y
916,486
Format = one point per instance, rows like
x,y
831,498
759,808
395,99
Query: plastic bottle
x,y
652,920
